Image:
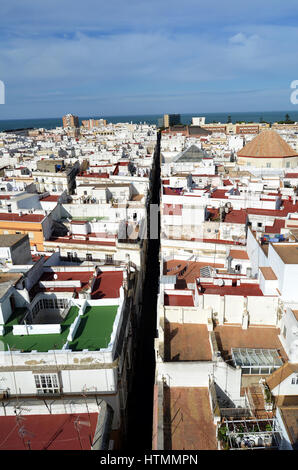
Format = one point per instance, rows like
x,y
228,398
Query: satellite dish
x,y
55,276
220,282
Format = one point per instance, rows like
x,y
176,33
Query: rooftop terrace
x,y
188,419
40,342
93,332
187,342
255,337
95,328
48,432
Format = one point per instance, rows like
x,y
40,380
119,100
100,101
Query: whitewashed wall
x,y
262,310
197,374
256,255
286,387
289,335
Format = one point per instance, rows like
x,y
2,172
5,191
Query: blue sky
x,y
136,57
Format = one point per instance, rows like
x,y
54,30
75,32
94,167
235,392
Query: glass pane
x,y
55,381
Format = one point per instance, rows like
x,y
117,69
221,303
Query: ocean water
x,y
51,123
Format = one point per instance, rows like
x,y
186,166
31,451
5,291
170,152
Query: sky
x,y
104,58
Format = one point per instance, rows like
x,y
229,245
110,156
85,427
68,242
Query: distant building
x,y
69,120
188,131
91,123
268,150
247,129
171,119
198,121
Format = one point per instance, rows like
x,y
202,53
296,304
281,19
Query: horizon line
x,y
152,114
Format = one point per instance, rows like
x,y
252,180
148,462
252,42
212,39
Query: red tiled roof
x,y
288,207
50,198
291,175
21,218
276,227
217,240
214,212
243,290
172,191
219,194
107,284
178,300
48,432
236,217
187,270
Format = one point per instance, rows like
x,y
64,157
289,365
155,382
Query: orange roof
x,y
267,144
189,424
187,342
281,374
268,273
255,337
239,254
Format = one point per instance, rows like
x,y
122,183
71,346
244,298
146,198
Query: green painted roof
x,y
16,316
40,343
95,328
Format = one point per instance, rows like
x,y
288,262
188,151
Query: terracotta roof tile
x,y
267,144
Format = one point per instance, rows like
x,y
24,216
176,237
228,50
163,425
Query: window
x,y
47,383
288,165
109,258
268,165
295,380
89,256
284,332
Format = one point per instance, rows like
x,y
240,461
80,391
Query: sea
x,y
52,123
